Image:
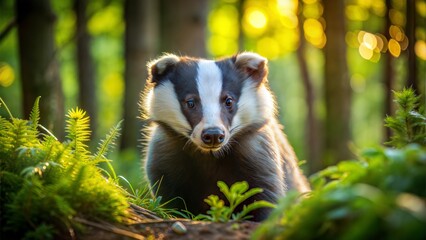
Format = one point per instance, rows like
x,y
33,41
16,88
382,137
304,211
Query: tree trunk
x,y
240,6
312,129
140,46
388,75
183,26
411,35
38,67
337,87
86,73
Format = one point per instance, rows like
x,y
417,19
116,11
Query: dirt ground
x,y
164,229
146,225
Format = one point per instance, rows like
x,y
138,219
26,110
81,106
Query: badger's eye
x,y
229,102
190,103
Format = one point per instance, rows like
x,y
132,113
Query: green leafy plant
x,y
380,195
409,122
47,184
237,194
143,197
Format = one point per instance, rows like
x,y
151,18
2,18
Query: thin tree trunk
x,y
183,27
240,6
140,46
410,29
337,88
312,132
85,65
388,75
38,67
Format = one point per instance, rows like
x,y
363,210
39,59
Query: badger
x,y
213,121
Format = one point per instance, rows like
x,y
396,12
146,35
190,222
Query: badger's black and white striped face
x,y
209,101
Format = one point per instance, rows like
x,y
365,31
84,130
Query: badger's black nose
x,y
213,136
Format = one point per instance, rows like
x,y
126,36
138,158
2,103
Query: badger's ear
x,y
252,65
159,68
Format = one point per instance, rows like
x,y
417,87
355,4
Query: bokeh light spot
x,y
257,18
365,51
7,75
314,32
394,48
420,49
313,28
254,22
381,42
370,41
286,6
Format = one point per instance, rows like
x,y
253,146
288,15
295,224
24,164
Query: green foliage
x,y
144,198
45,184
409,122
237,194
381,195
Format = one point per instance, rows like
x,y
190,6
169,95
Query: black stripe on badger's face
x,y
185,86
231,90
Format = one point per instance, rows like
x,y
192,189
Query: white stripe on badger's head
x,y
209,84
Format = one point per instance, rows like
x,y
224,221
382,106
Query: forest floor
x,y
164,229
147,225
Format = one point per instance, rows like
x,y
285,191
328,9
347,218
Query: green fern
x,y
103,149
78,131
46,183
109,141
35,114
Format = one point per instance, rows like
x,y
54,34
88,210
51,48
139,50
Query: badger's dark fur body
x,y
211,121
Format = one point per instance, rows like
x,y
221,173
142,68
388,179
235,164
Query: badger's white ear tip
x,y
166,58
250,55
164,61
250,58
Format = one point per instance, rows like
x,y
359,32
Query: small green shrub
x,y
409,122
237,194
382,195
46,184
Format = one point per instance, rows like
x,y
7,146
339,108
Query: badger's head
x,y
206,101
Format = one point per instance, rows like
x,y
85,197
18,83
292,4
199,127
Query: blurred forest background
x,y
332,64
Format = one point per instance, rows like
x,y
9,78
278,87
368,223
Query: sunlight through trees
x,y
385,43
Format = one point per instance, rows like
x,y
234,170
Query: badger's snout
x,y
213,137
210,138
